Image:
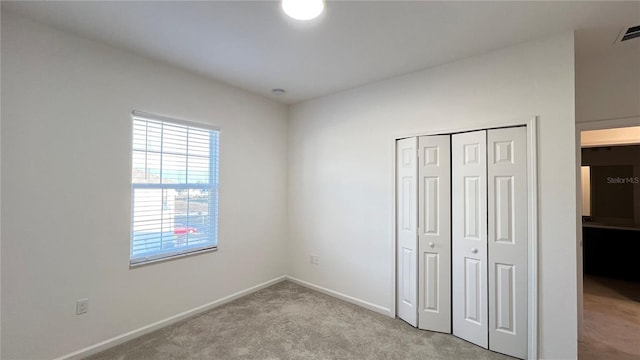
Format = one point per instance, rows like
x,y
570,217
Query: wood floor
x,y
611,320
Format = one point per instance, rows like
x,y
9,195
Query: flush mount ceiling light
x,y
303,9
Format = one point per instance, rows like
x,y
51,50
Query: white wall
x,y
608,85
341,175
0,207
66,131
66,135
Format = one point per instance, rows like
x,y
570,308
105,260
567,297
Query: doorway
x,y
608,229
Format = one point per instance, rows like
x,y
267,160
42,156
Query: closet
x,y
462,236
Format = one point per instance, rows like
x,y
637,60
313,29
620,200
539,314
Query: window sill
x,y
172,257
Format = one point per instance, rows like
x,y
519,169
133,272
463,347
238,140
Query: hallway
x,y
611,319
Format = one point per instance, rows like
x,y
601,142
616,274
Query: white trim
x,y
172,256
103,345
532,151
190,123
579,265
532,180
365,304
392,235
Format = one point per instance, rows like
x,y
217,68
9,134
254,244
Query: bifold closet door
x,y
469,229
407,232
434,233
508,214
462,239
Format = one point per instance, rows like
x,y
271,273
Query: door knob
x,y
432,245
474,250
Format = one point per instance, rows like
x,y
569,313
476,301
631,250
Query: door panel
x,y
407,241
508,213
503,209
431,285
472,296
469,230
434,233
505,297
408,266
472,207
431,207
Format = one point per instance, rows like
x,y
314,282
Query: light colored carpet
x,y
288,321
611,320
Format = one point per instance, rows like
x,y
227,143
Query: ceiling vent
x,y
628,33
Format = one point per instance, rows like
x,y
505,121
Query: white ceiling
x,y
252,45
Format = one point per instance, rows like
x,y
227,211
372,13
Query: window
x,y
174,188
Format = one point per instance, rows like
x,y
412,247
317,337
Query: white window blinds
x,y
174,188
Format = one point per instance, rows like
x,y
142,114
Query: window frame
x,y
213,185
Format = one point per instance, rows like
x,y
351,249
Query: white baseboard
x,y
365,304
109,343
101,346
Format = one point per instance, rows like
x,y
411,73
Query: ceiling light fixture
x,y
303,9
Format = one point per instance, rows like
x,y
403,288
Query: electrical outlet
x,y
315,259
82,306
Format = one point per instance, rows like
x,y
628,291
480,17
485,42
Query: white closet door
x,y
434,233
407,232
507,176
469,184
